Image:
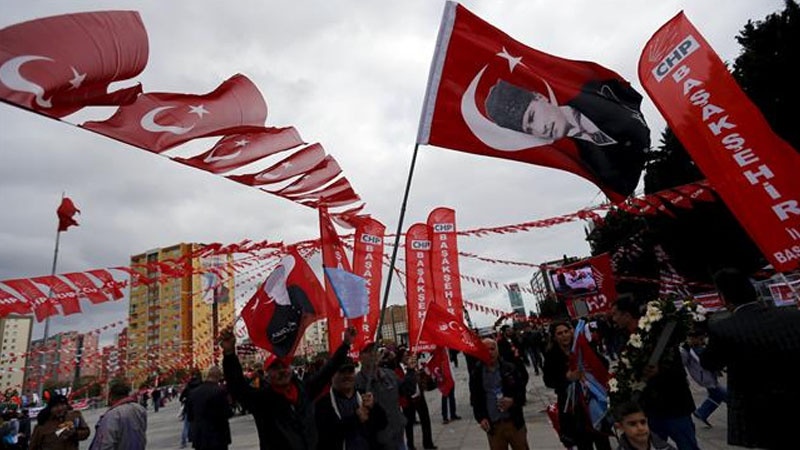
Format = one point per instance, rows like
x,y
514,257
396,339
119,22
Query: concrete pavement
x,y
164,427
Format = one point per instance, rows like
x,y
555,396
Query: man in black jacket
x,y
283,407
760,346
497,393
210,413
346,419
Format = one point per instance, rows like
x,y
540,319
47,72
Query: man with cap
x,y
345,418
283,407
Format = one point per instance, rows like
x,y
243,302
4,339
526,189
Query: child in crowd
x,y
631,423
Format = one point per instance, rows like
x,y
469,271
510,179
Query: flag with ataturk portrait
x,y
490,95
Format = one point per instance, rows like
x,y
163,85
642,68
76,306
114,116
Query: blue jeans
x,y
449,400
716,396
185,432
679,429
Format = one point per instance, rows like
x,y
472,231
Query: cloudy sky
x,y
348,74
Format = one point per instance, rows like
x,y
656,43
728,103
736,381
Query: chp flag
x,y
490,95
444,261
288,300
442,328
367,262
752,169
419,284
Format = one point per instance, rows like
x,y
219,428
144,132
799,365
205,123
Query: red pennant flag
x,y
696,192
42,306
438,367
10,304
159,121
315,178
58,65
444,261
300,162
367,263
585,356
285,304
110,285
333,256
675,198
238,150
62,293
86,287
335,188
752,169
419,279
490,95
66,212
442,328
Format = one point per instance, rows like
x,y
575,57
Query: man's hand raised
x,y
227,341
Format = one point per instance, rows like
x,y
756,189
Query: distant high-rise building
x,y
15,335
515,298
88,356
314,340
395,324
54,360
173,323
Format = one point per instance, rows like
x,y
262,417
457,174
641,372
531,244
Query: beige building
x,y
172,323
15,335
395,324
315,340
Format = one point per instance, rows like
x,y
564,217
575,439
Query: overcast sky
x,y
348,74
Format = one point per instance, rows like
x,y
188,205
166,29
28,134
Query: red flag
x,y
588,283
444,261
585,356
752,169
58,65
490,95
62,293
10,304
438,367
442,328
367,263
299,162
320,174
696,192
419,282
337,187
110,285
42,306
333,255
342,198
86,287
159,121
66,214
286,303
238,150
675,198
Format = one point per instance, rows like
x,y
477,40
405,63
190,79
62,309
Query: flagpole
x,y
47,319
396,241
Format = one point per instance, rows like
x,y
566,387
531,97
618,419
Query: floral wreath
x,y
625,382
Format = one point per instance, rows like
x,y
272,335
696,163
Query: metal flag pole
x,y
396,242
40,387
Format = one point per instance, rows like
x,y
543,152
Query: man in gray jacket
x,y
385,387
124,425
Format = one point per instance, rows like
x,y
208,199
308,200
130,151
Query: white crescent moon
x,y
10,76
212,158
453,325
275,284
148,122
490,133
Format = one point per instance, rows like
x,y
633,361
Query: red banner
x,y
62,293
367,263
10,304
444,261
333,255
488,94
752,169
41,305
86,287
110,285
419,283
297,163
587,286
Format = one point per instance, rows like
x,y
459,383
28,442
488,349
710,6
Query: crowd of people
x,y
375,400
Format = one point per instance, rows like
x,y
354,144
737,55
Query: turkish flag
x,y
335,188
238,150
287,302
64,294
341,198
438,367
66,212
299,162
325,171
491,95
752,169
58,65
442,328
159,121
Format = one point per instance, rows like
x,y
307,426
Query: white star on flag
x,y
241,143
199,110
512,60
77,78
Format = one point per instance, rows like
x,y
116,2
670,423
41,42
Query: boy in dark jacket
x,y
631,422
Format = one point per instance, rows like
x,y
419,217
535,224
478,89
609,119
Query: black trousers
x,y
418,407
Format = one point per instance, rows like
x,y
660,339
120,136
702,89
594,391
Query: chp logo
x,y
371,239
444,227
421,245
675,57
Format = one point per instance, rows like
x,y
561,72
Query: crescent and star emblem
x,y
490,133
211,158
10,76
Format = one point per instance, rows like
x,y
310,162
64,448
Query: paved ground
x,y
164,428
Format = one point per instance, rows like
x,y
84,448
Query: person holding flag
x,y
283,407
